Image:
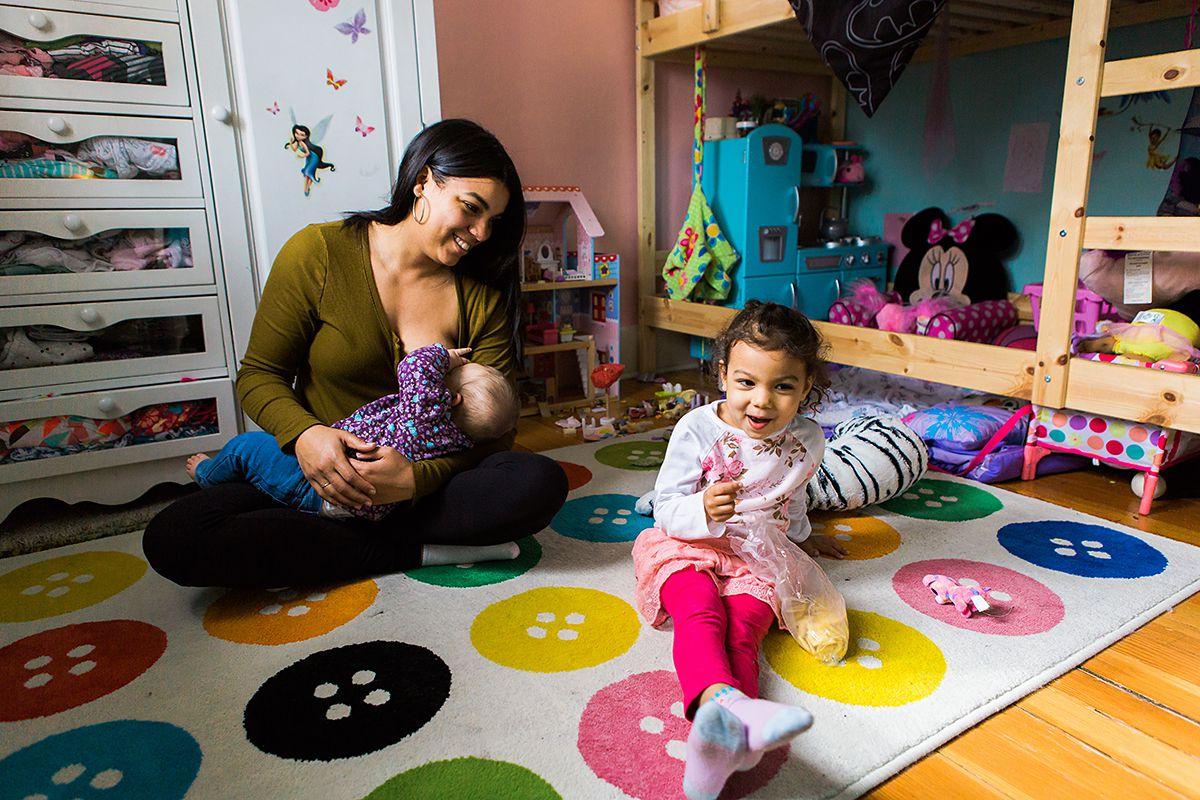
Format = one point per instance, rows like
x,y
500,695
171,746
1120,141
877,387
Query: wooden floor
x,y
1125,724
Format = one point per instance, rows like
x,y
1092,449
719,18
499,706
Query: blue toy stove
x,y
754,185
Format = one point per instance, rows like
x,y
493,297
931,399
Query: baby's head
x,y
771,366
485,403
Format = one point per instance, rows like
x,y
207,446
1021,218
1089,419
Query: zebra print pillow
x,y
868,460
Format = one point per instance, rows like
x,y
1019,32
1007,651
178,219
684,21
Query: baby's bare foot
x,y
194,462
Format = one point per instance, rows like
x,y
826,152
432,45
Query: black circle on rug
x,y
347,701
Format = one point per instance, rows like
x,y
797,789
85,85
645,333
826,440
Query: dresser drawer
x,y
78,432
45,154
71,251
62,344
69,56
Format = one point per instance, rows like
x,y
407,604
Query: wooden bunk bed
x,y
764,34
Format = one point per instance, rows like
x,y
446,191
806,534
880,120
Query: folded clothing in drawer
x,y
123,157
83,58
28,440
49,345
29,253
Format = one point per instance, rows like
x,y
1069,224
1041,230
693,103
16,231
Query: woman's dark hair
x,y
459,148
772,327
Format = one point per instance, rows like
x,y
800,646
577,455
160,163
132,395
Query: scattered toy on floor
x,y
966,599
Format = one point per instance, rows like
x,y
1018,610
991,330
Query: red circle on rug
x,y
1020,605
577,474
634,736
66,667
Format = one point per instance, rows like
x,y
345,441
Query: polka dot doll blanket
x,y
535,678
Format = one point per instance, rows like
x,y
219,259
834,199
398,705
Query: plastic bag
x,y
813,611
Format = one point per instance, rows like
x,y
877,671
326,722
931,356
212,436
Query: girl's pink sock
x,y
716,747
767,724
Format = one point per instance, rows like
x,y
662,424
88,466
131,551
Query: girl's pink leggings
x,y
716,638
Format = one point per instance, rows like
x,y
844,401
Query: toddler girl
x,y
743,457
444,404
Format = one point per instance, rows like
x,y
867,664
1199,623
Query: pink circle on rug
x,y
634,736
1020,605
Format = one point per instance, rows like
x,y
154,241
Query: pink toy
x,y
967,599
913,319
851,170
1090,308
866,294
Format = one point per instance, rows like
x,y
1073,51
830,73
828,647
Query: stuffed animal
x,y
1159,334
966,599
963,262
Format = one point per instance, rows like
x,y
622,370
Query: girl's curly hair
x,y
773,327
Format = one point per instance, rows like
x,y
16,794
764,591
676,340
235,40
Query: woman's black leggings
x,y
234,535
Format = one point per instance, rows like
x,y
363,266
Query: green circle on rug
x,y
887,664
639,456
944,501
464,576
466,777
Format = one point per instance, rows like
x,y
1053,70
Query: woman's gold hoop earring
x,y
417,218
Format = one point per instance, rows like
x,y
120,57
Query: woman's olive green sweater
x,y
321,345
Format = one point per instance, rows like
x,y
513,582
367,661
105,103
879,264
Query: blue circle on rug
x,y
1076,548
129,759
601,518
347,701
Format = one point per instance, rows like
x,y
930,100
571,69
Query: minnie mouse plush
x,y
963,263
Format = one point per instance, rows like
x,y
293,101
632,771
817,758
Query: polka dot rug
x,y
536,679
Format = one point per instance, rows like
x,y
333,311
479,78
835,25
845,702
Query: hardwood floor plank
x,y
1137,712
936,772
1138,751
1163,684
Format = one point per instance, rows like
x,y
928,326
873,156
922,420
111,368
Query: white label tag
x,y
1139,277
1148,318
979,603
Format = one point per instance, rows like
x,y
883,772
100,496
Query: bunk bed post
x,y
644,12
1072,177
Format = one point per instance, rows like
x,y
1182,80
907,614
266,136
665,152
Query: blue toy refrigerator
x,y
754,184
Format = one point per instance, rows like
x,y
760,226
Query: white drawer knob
x,y
57,124
107,404
89,315
73,223
39,20
221,113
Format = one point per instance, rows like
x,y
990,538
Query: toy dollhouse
x,y
571,304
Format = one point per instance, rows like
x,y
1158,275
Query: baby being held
x,y
444,404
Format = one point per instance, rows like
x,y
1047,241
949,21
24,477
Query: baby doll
x,y
1160,334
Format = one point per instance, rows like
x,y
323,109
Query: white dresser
x,y
126,282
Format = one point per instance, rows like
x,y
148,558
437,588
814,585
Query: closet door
x,y
325,109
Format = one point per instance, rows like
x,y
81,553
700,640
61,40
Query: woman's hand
x,y
390,472
321,452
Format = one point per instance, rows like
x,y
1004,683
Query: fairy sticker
x,y
1156,134
304,143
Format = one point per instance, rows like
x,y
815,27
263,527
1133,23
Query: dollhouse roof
x,y
562,194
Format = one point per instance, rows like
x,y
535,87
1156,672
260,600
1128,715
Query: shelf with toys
x,y
571,304
765,34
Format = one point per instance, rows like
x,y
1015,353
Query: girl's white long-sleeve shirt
x,y
704,450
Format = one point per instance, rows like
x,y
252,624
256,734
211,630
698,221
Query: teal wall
x,y
990,92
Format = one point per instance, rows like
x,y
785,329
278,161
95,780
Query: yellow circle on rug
x,y
279,616
555,629
887,664
67,583
862,535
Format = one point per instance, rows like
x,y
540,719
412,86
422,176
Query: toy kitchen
x,y
754,185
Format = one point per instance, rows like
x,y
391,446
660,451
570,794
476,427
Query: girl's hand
x,y
719,499
458,357
390,473
818,544
321,451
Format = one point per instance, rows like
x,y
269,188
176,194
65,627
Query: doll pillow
x,y
962,427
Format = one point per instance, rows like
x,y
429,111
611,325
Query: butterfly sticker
x,y
358,27
324,5
274,108
336,83
362,127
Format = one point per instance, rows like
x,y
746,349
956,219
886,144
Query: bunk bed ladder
x,y
1088,78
